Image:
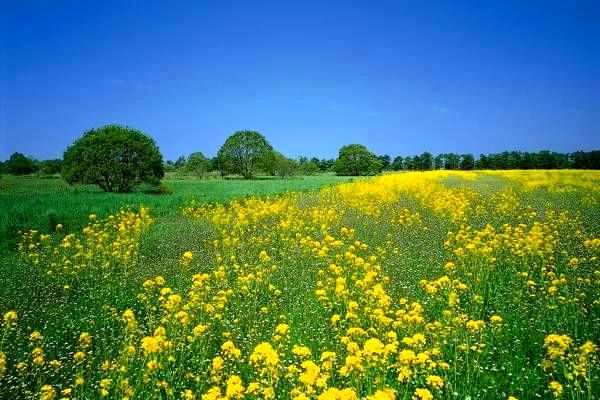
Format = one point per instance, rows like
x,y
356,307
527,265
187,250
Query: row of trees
x,y
19,164
505,160
356,159
117,158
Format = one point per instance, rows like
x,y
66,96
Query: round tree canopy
x,y
114,157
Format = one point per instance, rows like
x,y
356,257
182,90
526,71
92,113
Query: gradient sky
x,y
400,77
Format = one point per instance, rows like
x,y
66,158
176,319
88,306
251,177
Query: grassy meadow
x,y
420,285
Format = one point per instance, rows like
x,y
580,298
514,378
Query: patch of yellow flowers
x,y
232,334
102,248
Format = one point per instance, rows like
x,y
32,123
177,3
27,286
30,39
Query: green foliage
x,y
285,167
242,153
274,163
355,160
198,164
180,162
385,161
116,158
51,167
268,162
19,164
309,168
467,162
397,164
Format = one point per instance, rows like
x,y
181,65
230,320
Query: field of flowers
x,y
438,285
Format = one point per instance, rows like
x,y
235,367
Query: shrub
x,y
116,158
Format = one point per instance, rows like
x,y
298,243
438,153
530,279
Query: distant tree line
x,y
117,158
19,164
505,160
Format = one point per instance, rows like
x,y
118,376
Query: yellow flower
x,y
264,353
406,357
2,364
475,326
229,349
85,340
78,357
35,336
264,257
47,392
556,388
435,381
10,319
310,374
199,329
422,394
301,351
386,394
338,394
373,348
282,329
152,344
557,345
186,258
235,389
214,393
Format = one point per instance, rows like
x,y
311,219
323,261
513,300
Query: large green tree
x,y
356,159
243,152
114,157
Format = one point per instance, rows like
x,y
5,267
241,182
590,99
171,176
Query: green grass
x,y
35,203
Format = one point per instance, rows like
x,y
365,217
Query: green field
x,y
409,286
36,203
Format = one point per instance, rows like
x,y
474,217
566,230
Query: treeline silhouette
x,y
505,160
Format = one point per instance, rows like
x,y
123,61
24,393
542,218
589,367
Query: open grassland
x,y
35,203
416,285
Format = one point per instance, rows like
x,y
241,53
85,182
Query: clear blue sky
x,y
401,77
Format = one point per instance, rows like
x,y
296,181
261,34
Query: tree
x,y
326,164
309,168
114,157
241,153
452,161
356,159
426,161
268,162
284,166
51,167
180,162
19,164
409,163
197,163
385,161
398,163
467,162
439,161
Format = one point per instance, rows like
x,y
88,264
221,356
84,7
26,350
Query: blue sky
x,y
400,77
